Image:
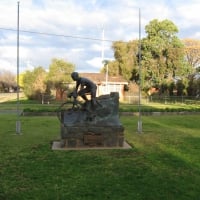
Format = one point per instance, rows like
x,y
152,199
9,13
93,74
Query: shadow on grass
x,y
162,164
115,174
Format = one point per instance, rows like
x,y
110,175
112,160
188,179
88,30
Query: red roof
x,y
100,77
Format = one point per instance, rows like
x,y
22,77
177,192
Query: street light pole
x,y
18,124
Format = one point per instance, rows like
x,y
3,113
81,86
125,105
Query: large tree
x,y
162,53
125,62
7,81
192,53
59,75
34,83
163,57
112,67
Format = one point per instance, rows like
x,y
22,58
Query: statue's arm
x,y
77,86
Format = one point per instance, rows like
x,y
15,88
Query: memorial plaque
x,y
93,139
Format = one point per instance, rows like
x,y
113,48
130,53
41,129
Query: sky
x,y
82,31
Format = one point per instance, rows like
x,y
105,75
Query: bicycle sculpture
x,y
94,122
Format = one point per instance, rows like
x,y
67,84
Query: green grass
x,y
35,106
8,102
164,162
32,106
159,107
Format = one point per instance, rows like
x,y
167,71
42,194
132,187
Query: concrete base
x,y
57,146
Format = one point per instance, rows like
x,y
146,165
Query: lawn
x,y
34,106
164,162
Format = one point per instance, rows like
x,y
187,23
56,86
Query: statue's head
x,y
75,76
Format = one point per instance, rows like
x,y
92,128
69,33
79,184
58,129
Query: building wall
x,y
107,89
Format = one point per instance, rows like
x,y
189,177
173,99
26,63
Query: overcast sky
x,y
75,28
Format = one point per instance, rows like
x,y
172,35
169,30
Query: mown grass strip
x,y
164,162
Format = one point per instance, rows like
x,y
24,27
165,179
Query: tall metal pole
x,y
102,50
105,62
140,79
107,92
18,124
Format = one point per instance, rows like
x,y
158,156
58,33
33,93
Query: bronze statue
x,y
86,87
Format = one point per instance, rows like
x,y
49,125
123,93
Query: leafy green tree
x,y
162,53
180,86
113,68
162,60
125,62
171,88
59,75
193,88
34,82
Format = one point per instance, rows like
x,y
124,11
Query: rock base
x,y
82,136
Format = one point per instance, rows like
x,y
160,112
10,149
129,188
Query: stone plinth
x,y
93,125
80,136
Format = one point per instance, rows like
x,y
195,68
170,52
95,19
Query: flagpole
x,y
18,123
140,79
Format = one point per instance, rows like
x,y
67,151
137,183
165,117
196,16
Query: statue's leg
x,y
82,93
84,97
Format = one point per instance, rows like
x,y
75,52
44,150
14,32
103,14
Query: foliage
x,y
125,62
59,75
192,52
163,59
161,165
180,88
34,83
126,55
21,82
7,81
113,68
193,86
38,81
162,53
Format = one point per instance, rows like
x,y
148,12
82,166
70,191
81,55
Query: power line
x,y
56,35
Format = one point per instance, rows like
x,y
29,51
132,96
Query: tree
x,y
59,75
21,77
162,53
193,88
34,83
7,81
113,68
125,62
192,52
162,59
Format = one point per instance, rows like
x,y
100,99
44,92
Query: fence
x,y
175,99
134,99
130,99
